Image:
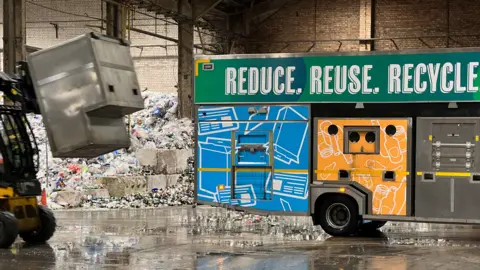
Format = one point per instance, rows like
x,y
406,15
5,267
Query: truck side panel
x,y
447,183
268,168
372,152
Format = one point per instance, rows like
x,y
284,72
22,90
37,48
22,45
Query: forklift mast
x,y
18,148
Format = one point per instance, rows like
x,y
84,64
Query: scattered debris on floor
x,y
74,182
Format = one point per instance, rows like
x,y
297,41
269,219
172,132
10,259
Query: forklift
x,y
108,87
20,213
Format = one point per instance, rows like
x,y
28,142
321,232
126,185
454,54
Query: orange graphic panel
x,y
368,150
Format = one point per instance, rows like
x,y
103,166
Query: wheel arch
x,y
358,193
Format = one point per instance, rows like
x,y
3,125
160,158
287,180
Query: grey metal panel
x,y
433,198
466,198
82,116
115,67
451,193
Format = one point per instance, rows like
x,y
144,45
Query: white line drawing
x,y
223,196
218,150
215,116
207,197
329,167
256,125
267,182
381,193
395,153
374,165
293,143
247,195
330,145
286,205
365,180
290,185
324,143
220,147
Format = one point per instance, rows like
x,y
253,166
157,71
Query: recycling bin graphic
x,y
216,120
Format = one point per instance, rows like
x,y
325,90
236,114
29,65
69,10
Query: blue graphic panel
x,y
283,128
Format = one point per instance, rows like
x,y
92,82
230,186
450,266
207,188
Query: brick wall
x,y
156,66
407,18
305,20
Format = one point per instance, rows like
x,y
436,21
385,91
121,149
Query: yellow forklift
x,y
20,214
83,88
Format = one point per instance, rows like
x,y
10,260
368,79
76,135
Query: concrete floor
x,y
204,238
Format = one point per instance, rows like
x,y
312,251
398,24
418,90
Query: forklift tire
x,y
339,216
8,229
372,226
46,229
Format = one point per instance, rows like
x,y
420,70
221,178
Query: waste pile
x,y
179,194
154,127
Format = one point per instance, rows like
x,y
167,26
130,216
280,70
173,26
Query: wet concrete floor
x,y
210,238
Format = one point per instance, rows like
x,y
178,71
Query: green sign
x,y
425,77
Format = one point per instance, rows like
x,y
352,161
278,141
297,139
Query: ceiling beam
x,y
200,8
267,7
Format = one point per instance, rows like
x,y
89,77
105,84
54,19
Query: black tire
x,y
8,229
372,225
339,216
46,230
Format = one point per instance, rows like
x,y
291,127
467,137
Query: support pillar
x,y
14,34
185,61
116,20
366,27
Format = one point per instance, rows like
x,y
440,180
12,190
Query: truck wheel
x,y
339,216
372,225
8,229
46,229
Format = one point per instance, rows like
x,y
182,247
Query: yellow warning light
x,y
342,189
221,187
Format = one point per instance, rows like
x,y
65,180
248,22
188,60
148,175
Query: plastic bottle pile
x,y
154,127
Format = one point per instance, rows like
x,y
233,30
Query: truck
x,y
352,139
83,88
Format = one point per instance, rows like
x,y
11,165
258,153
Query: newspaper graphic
x,y
223,196
291,185
216,118
245,195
